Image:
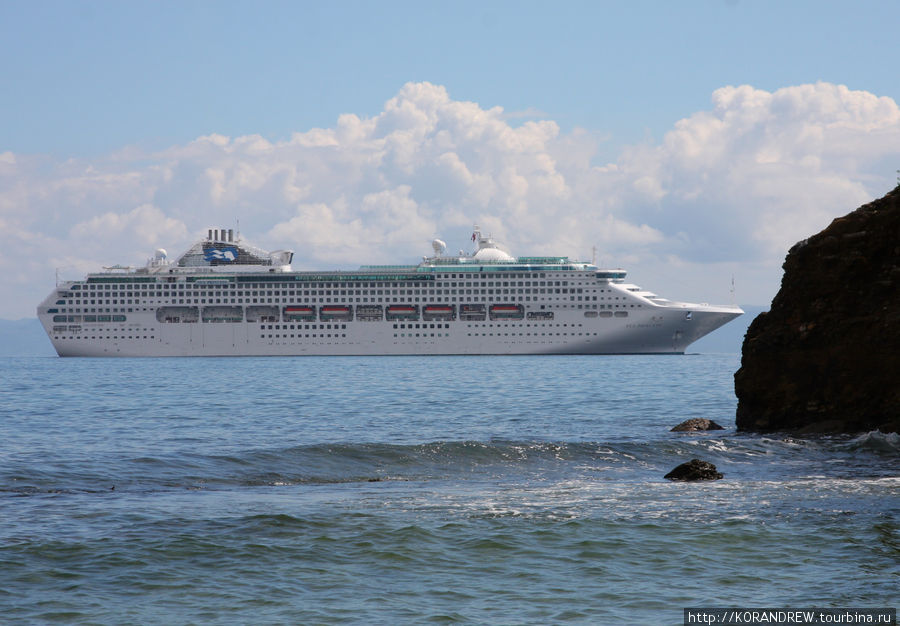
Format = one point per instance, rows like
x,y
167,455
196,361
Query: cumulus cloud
x,y
144,226
730,187
762,170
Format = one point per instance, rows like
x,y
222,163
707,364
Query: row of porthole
x,y
84,338
300,336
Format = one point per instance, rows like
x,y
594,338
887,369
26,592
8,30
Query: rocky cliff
x,y
826,357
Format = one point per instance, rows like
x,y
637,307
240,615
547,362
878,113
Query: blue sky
x,y
86,77
117,91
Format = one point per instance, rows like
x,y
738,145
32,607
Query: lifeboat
x,y
439,312
295,313
507,312
402,312
331,313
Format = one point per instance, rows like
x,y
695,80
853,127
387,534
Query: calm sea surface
x,y
514,490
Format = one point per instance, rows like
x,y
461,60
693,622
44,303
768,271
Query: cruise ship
x,y
224,297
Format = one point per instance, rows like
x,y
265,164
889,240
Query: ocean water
x,y
513,490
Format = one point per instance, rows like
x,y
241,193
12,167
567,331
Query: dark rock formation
x,y
695,469
696,423
826,357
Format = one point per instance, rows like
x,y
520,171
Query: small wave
x,y
737,455
876,441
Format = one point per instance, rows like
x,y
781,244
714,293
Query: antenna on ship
x,y
732,289
594,255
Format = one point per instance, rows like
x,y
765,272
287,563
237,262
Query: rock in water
x,y
826,357
695,469
696,423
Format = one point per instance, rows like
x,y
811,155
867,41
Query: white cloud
x,y
146,226
733,186
762,170
371,232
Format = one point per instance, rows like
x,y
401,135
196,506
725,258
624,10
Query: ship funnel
x,y
230,235
209,236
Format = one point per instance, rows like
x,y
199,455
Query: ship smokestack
x,y
209,236
230,235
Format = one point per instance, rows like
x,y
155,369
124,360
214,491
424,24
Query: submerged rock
x,y
825,358
695,469
696,423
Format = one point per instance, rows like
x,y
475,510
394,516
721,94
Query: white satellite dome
x,y
492,254
439,247
160,254
488,250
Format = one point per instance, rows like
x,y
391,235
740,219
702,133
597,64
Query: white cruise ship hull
x,y
655,331
224,298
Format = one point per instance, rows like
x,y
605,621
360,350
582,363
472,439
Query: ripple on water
x,y
411,490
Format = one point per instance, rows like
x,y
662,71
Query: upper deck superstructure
x,y
224,297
